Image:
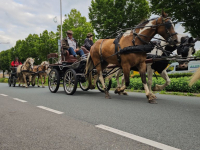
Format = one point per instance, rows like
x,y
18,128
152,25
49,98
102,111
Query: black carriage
x,y
70,72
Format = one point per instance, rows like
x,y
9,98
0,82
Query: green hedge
x,y
177,84
175,75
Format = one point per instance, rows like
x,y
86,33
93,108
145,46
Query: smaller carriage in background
x,y
70,72
12,79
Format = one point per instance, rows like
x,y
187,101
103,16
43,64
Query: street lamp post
x,y
61,28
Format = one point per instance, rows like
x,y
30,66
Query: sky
x,y
19,18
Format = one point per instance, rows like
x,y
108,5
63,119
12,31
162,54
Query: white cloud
x,y
19,18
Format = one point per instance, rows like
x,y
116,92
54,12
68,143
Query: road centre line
x,y
137,138
20,100
3,95
51,110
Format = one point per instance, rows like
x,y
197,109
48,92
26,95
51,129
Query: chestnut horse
x,y
102,52
41,71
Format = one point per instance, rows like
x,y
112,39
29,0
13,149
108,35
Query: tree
x,y
78,24
183,11
5,60
107,16
197,54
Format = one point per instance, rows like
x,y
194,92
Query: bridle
x,y
165,23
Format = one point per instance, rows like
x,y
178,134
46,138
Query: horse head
x,y
166,29
162,25
45,64
186,47
29,63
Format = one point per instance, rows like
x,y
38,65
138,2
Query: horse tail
x,y
195,77
88,69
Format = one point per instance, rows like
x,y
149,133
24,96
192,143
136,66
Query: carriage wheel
x,y
70,82
107,84
54,81
84,85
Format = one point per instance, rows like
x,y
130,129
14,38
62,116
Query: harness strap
x,y
117,45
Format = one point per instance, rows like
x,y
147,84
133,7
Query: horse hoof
x,y
117,91
92,87
38,86
43,86
152,101
124,93
107,97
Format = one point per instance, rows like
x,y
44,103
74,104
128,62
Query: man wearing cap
x,y
70,44
88,41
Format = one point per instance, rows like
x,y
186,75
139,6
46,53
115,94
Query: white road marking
x,y
49,109
20,100
137,138
3,95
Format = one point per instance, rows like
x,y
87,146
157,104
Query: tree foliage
x,y
197,54
36,46
78,24
107,16
183,11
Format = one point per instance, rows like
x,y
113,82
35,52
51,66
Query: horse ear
x,y
190,40
164,15
197,39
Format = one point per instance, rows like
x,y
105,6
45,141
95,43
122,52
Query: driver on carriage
x,y
70,44
16,62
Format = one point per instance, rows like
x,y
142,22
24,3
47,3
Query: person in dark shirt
x,y
88,41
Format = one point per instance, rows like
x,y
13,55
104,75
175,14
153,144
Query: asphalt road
x,y
174,121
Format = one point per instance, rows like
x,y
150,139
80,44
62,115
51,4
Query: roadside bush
x,y
175,75
177,84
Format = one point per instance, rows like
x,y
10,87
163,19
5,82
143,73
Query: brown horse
x,y
101,53
41,71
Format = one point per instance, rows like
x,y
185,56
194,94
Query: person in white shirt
x,y
71,45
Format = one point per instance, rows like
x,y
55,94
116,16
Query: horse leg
x,y
126,70
151,97
25,82
117,91
165,76
123,92
42,81
38,80
150,75
19,78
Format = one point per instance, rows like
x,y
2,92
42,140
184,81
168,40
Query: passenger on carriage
x,y
70,44
88,41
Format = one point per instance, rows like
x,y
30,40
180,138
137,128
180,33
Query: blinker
x,y
168,24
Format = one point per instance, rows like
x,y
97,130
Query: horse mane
x,y
142,23
44,63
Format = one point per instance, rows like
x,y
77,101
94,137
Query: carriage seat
x,y
52,55
70,58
